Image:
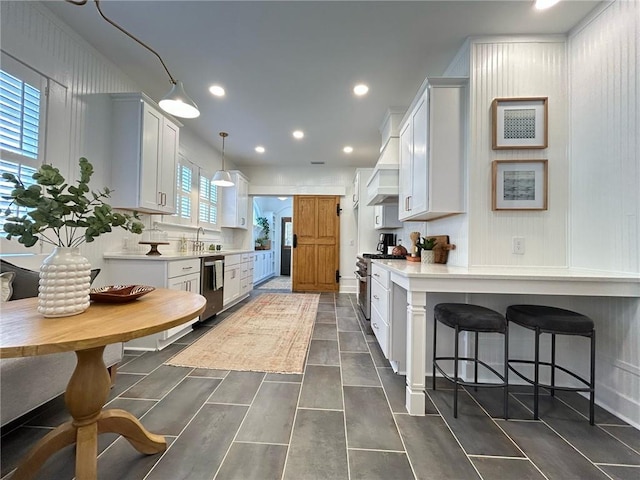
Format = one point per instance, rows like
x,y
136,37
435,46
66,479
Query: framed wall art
x,y
519,185
519,123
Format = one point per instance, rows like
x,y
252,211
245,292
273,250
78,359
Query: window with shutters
x,y
22,127
207,201
184,190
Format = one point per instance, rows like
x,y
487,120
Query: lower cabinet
x,y
380,307
389,317
231,279
264,265
183,274
238,276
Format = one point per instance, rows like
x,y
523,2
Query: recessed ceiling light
x,y
360,89
298,134
217,90
260,149
347,149
543,4
317,163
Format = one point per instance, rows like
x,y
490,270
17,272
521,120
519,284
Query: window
x,y
184,176
22,126
208,200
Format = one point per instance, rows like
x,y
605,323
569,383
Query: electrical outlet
x,y
517,245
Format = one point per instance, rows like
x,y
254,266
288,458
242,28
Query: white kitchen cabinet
x,y
431,183
264,266
144,155
355,196
386,216
388,317
235,202
380,307
246,274
232,277
182,274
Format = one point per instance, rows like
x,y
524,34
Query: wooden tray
x,y
441,250
119,293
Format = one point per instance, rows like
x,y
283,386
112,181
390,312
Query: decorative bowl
x,y
119,293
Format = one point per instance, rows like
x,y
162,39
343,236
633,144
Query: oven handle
x,y
360,277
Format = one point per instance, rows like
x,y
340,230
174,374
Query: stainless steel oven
x,y
212,284
363,292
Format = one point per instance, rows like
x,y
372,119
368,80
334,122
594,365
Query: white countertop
x,y
172,255
508,279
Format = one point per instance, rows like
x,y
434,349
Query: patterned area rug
x,y
282,282
269,334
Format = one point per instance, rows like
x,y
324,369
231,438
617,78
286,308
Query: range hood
x,y
382,187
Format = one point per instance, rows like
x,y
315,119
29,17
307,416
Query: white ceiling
x,y
292,65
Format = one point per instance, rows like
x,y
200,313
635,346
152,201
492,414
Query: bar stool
x,y
556,321
470,318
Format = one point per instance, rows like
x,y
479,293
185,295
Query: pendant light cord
x,y
223,135
97,2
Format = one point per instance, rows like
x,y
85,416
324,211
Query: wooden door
x,y
316,252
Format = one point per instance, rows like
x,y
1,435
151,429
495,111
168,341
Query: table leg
x,y
416,352
86,393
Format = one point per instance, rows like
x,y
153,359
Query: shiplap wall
x,y
605,175
517,67
604,210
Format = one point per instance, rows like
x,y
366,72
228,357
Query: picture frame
x,y
519,123
519,184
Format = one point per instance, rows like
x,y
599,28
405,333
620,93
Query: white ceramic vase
x,y
427,256
65,281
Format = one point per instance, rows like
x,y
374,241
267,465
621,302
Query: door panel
x,y
316,226
285,246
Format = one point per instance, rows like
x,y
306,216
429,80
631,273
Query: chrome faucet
x,y
198,245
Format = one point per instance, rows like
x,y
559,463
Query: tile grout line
x,y
295,413
384,392
246,414
344,406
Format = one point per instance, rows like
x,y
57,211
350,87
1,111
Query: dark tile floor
x,y
343,418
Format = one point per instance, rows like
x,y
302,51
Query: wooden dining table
x,y
24,332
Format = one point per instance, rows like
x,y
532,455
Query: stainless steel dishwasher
x,y
212,284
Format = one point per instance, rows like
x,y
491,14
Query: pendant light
x,y
222,178
176,102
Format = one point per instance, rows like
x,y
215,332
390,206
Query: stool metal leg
x,y
592,386
553,364
475,364
455,377
506,372
536,375
435,328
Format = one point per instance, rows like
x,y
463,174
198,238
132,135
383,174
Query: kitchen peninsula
x,y
495,287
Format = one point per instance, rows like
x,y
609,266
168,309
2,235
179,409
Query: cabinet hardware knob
x,y
187,268
376,297
375,325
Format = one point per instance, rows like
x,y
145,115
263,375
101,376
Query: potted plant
x,y
263,239
426,249
65,216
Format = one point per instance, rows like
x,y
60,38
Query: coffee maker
x,y
386,240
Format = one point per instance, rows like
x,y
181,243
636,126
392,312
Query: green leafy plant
x,y
427,243
61,214
264,224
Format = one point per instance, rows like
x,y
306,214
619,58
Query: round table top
x,y
25,332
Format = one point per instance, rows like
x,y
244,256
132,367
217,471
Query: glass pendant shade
x,y
222,178
178,103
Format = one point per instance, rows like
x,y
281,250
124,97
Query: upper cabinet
x,y
235,202
355,197
144,155
386,216
432,151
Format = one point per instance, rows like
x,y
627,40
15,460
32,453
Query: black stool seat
x,y
554,321
471,318
550,319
